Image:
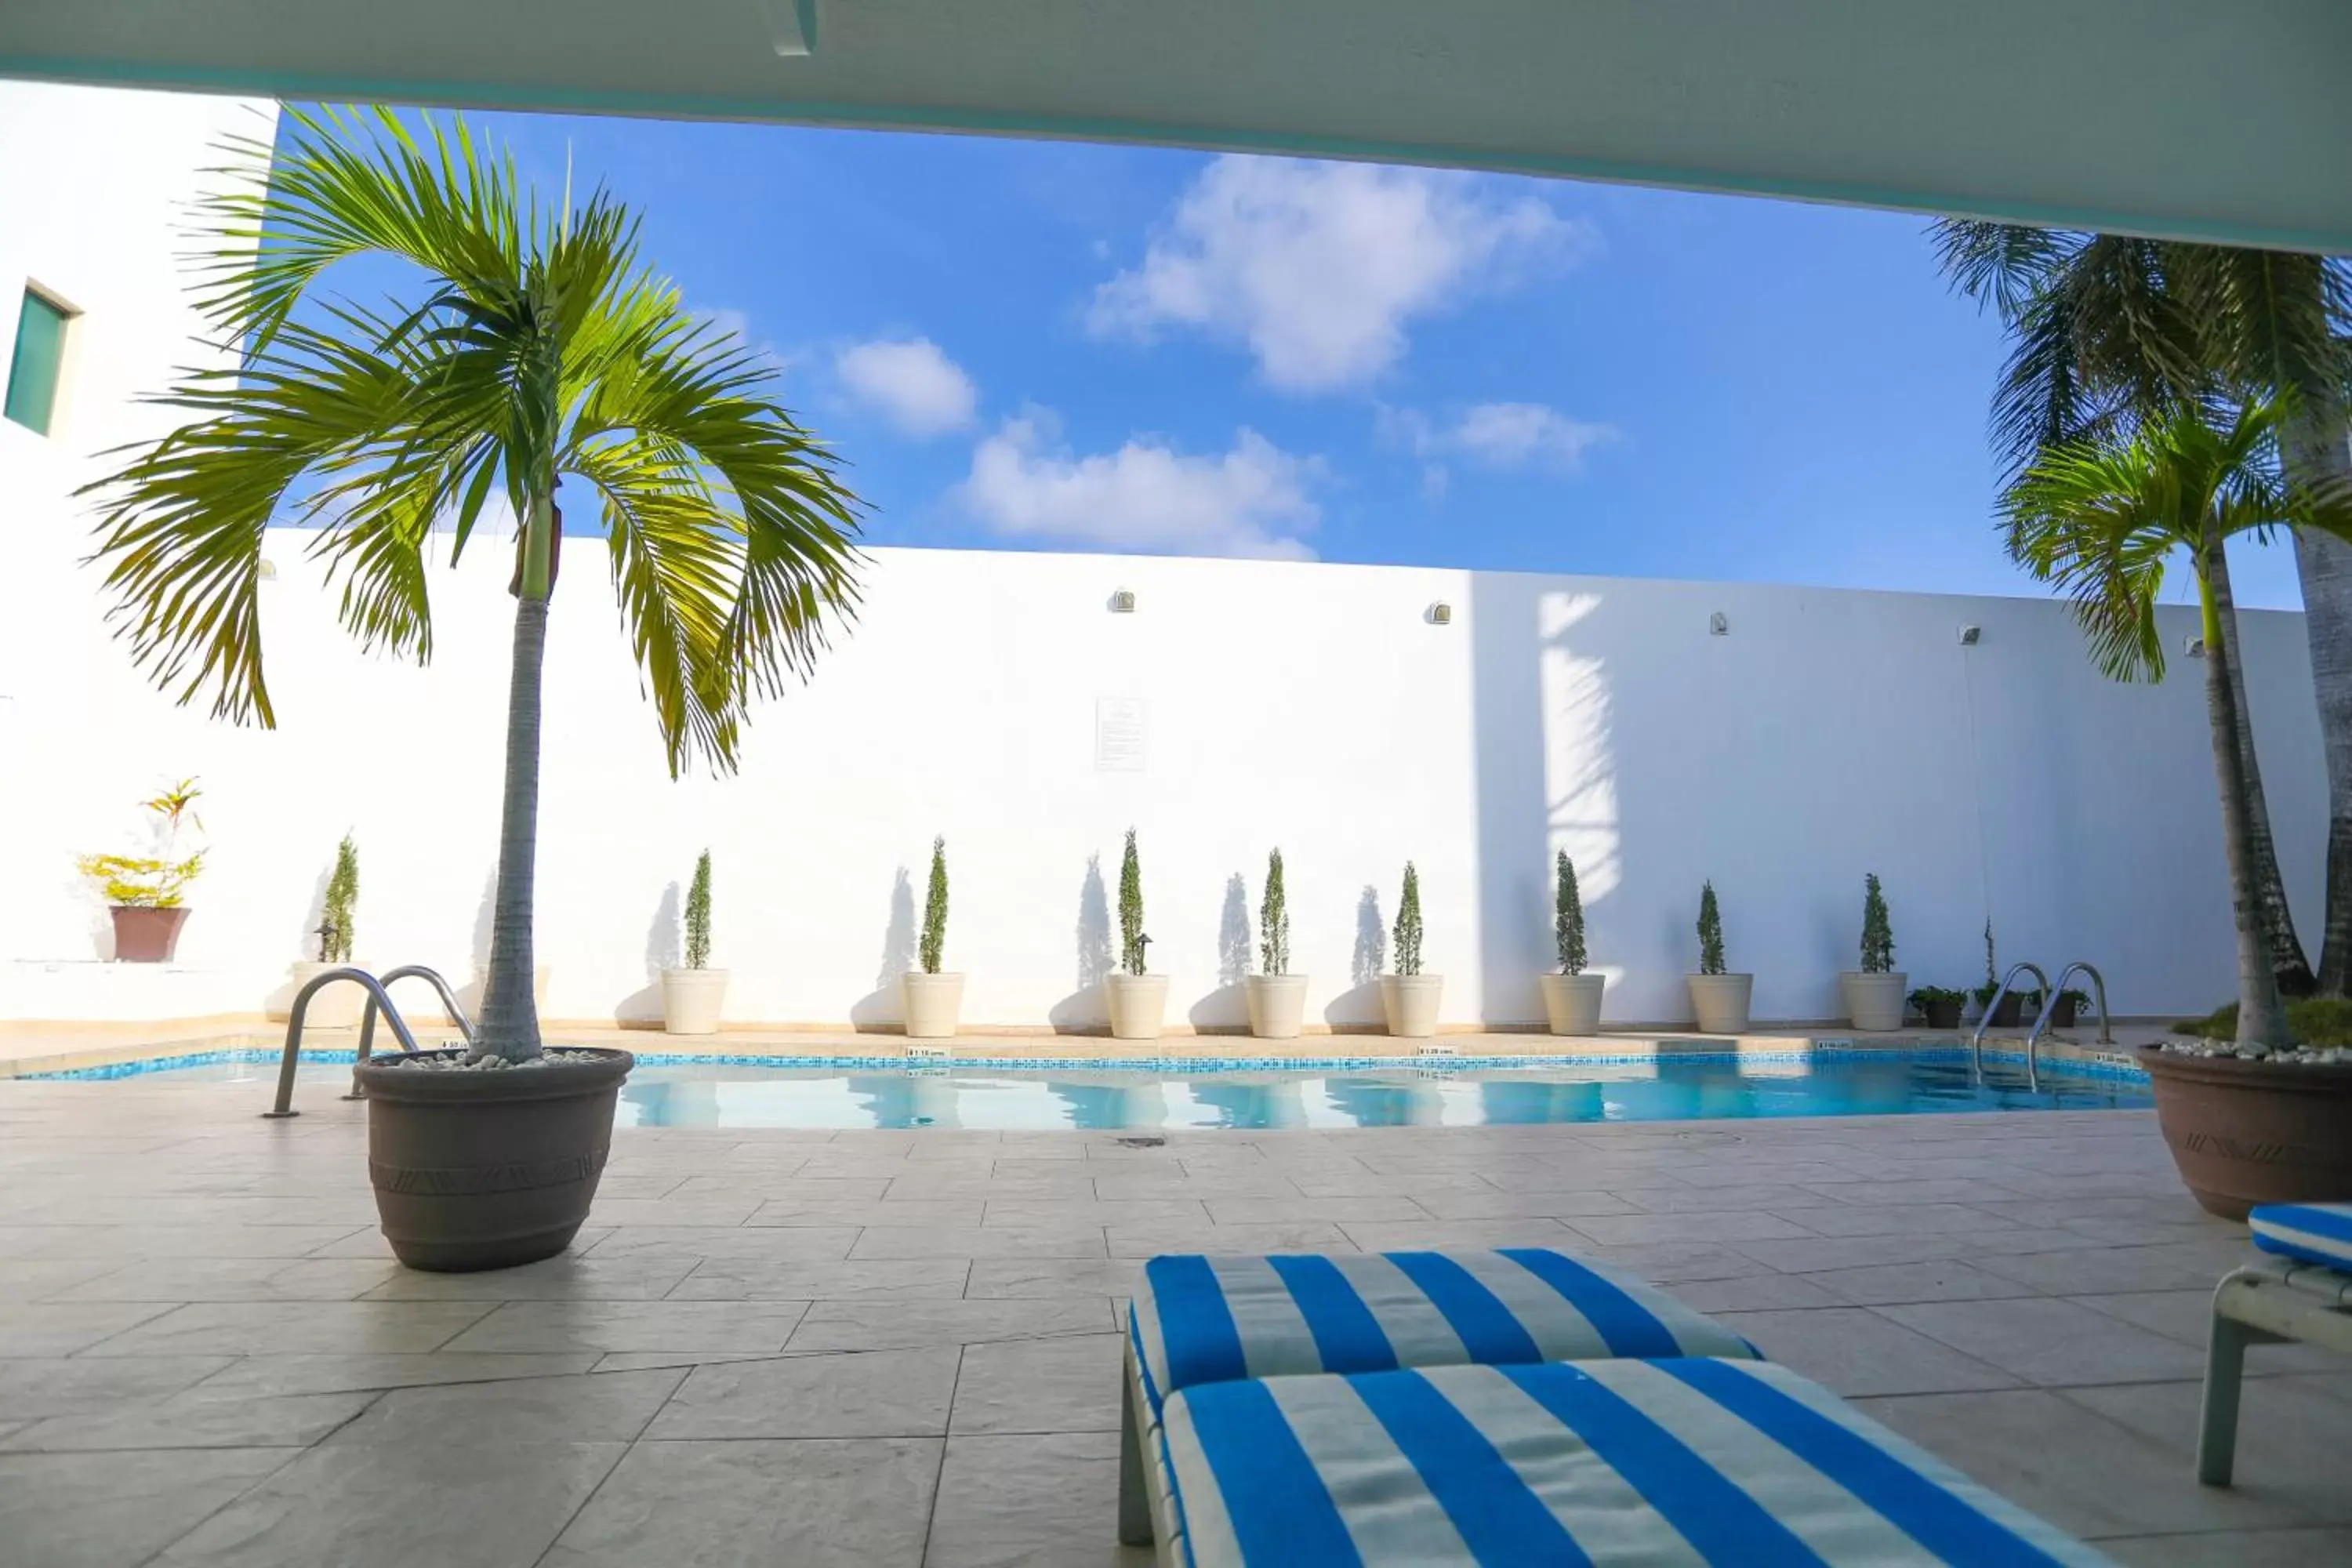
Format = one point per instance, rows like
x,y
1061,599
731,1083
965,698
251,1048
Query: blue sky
x,y
1050,346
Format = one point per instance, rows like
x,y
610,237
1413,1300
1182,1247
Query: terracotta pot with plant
x,y
339,1005
145,893
534,345
1407,997
1136,998
694,995
1275,997
1719,997
1939,1005
931,997
1875,994
1571,997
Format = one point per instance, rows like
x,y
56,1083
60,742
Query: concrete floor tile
x,y
2290,1439
103,1511
61,1328
2188,1316
2102,1272
586,1407
760,1279
567,1277
1415,1236
1753,1292
1046,1501
1946,1279
178,1279
195,1421
1900,1219
32,1388
999,1277
563,1325
1644,1197
1153,1237
1040,1386
813,1503
944,1213
1855,1351
2233,1549
129,1243
894,1325
1731,1225
773,1242
294,1328
875,1393
980,1241
2050,1342
262,1375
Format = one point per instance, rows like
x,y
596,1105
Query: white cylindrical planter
x,y
335,1006
1410,1003
1721,1002
692,999
1138,1003
1572,1003
1875,1002
930,1003
1276,1003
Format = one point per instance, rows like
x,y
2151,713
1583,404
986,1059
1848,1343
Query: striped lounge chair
x,y
2300,1290
1201,1321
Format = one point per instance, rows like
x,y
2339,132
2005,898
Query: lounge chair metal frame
x,y
2271,1301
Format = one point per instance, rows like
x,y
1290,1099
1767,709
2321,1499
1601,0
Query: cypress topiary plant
x,y
1568,918
335,928
1710,933
1132,938
1274,921
935,910
1878,932
698,915
1405,938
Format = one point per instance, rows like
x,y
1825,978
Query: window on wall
x,y
39,357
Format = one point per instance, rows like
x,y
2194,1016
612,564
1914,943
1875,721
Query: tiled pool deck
x,y
894,1348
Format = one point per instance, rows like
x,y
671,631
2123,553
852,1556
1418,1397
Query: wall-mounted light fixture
x,y
792,26
1122,602
1440,613
1718,625
2193,646
1968,636
269,571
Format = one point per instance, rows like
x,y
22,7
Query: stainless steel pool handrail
x,y
1976,1040
367,1019
284,1107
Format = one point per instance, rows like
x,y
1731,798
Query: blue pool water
x,y
689,1093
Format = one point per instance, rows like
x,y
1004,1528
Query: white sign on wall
x,y
1118,734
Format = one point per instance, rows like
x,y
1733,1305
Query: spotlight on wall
x,y
269,571
1718,625
1968,636
1440,613
1122,602
2194,646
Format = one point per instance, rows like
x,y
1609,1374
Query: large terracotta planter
x,y
1873,1003
930,1004
146,936
1136,1003
1572,1003
487,1170
1721,1002
2247,1133
1278,1002
692,1000
1410,1004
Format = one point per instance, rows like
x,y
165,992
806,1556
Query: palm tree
x,y
2109,331
2102,520
533,345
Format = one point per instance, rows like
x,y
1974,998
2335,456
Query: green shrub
x,y
935,910
1132,942
1710,933
2323,1021
698,915
1927,996
1877,931
1274,921
1568,918
1404,940
336,929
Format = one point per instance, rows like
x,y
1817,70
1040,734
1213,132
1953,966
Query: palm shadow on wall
x,y
642,1008
1226,1010
280,1000
882,1010
1356,1010
1085,1011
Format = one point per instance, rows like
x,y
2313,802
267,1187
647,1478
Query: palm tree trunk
x,y
2287,961
2316,451
509,1025
2262,1017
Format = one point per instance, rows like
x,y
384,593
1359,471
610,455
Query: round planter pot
x,y
2248,1132
335,1006
1942,1014
692,1000
1875,1002
930,1003
1136,1003
487,1169
1721,1002
1572,1003
1276,1003
2063,1015
146,936
1410,1003
2010,1014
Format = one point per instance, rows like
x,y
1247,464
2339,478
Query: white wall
x,y
1309,706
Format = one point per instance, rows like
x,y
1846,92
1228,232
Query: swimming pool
x,y
1002,1096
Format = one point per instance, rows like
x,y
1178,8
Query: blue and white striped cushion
x,y
1200,1320
2316,1233
1678,1461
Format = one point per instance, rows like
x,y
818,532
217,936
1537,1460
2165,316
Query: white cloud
x,y
1498,434
909,383
1318,268
1146,495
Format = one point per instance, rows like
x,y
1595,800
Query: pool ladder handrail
x,y
1976,1040
379,999
2041,1024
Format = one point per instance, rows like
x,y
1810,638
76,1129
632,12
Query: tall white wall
x,y
1312,707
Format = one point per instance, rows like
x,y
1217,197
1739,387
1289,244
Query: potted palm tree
x,y
145,894
1136,998
1571,997
532,344
1720,999
2255,1120
1407,997
931,998
335,1006
1875,992
694,994
1276,998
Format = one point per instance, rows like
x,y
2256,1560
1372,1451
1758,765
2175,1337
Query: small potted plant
x,y
1718,997
335,1006
1277,997
931,998
145,893
1939,1005
2007,1015
2069,1009
1136,998
1408,996
694,994
1571,997
1875,992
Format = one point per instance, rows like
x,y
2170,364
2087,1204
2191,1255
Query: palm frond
x,y
2003,265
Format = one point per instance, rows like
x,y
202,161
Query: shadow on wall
x,y
469,995
882,1010
1226,1010
1085,1011
643,1006
1356,1010
280,1000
